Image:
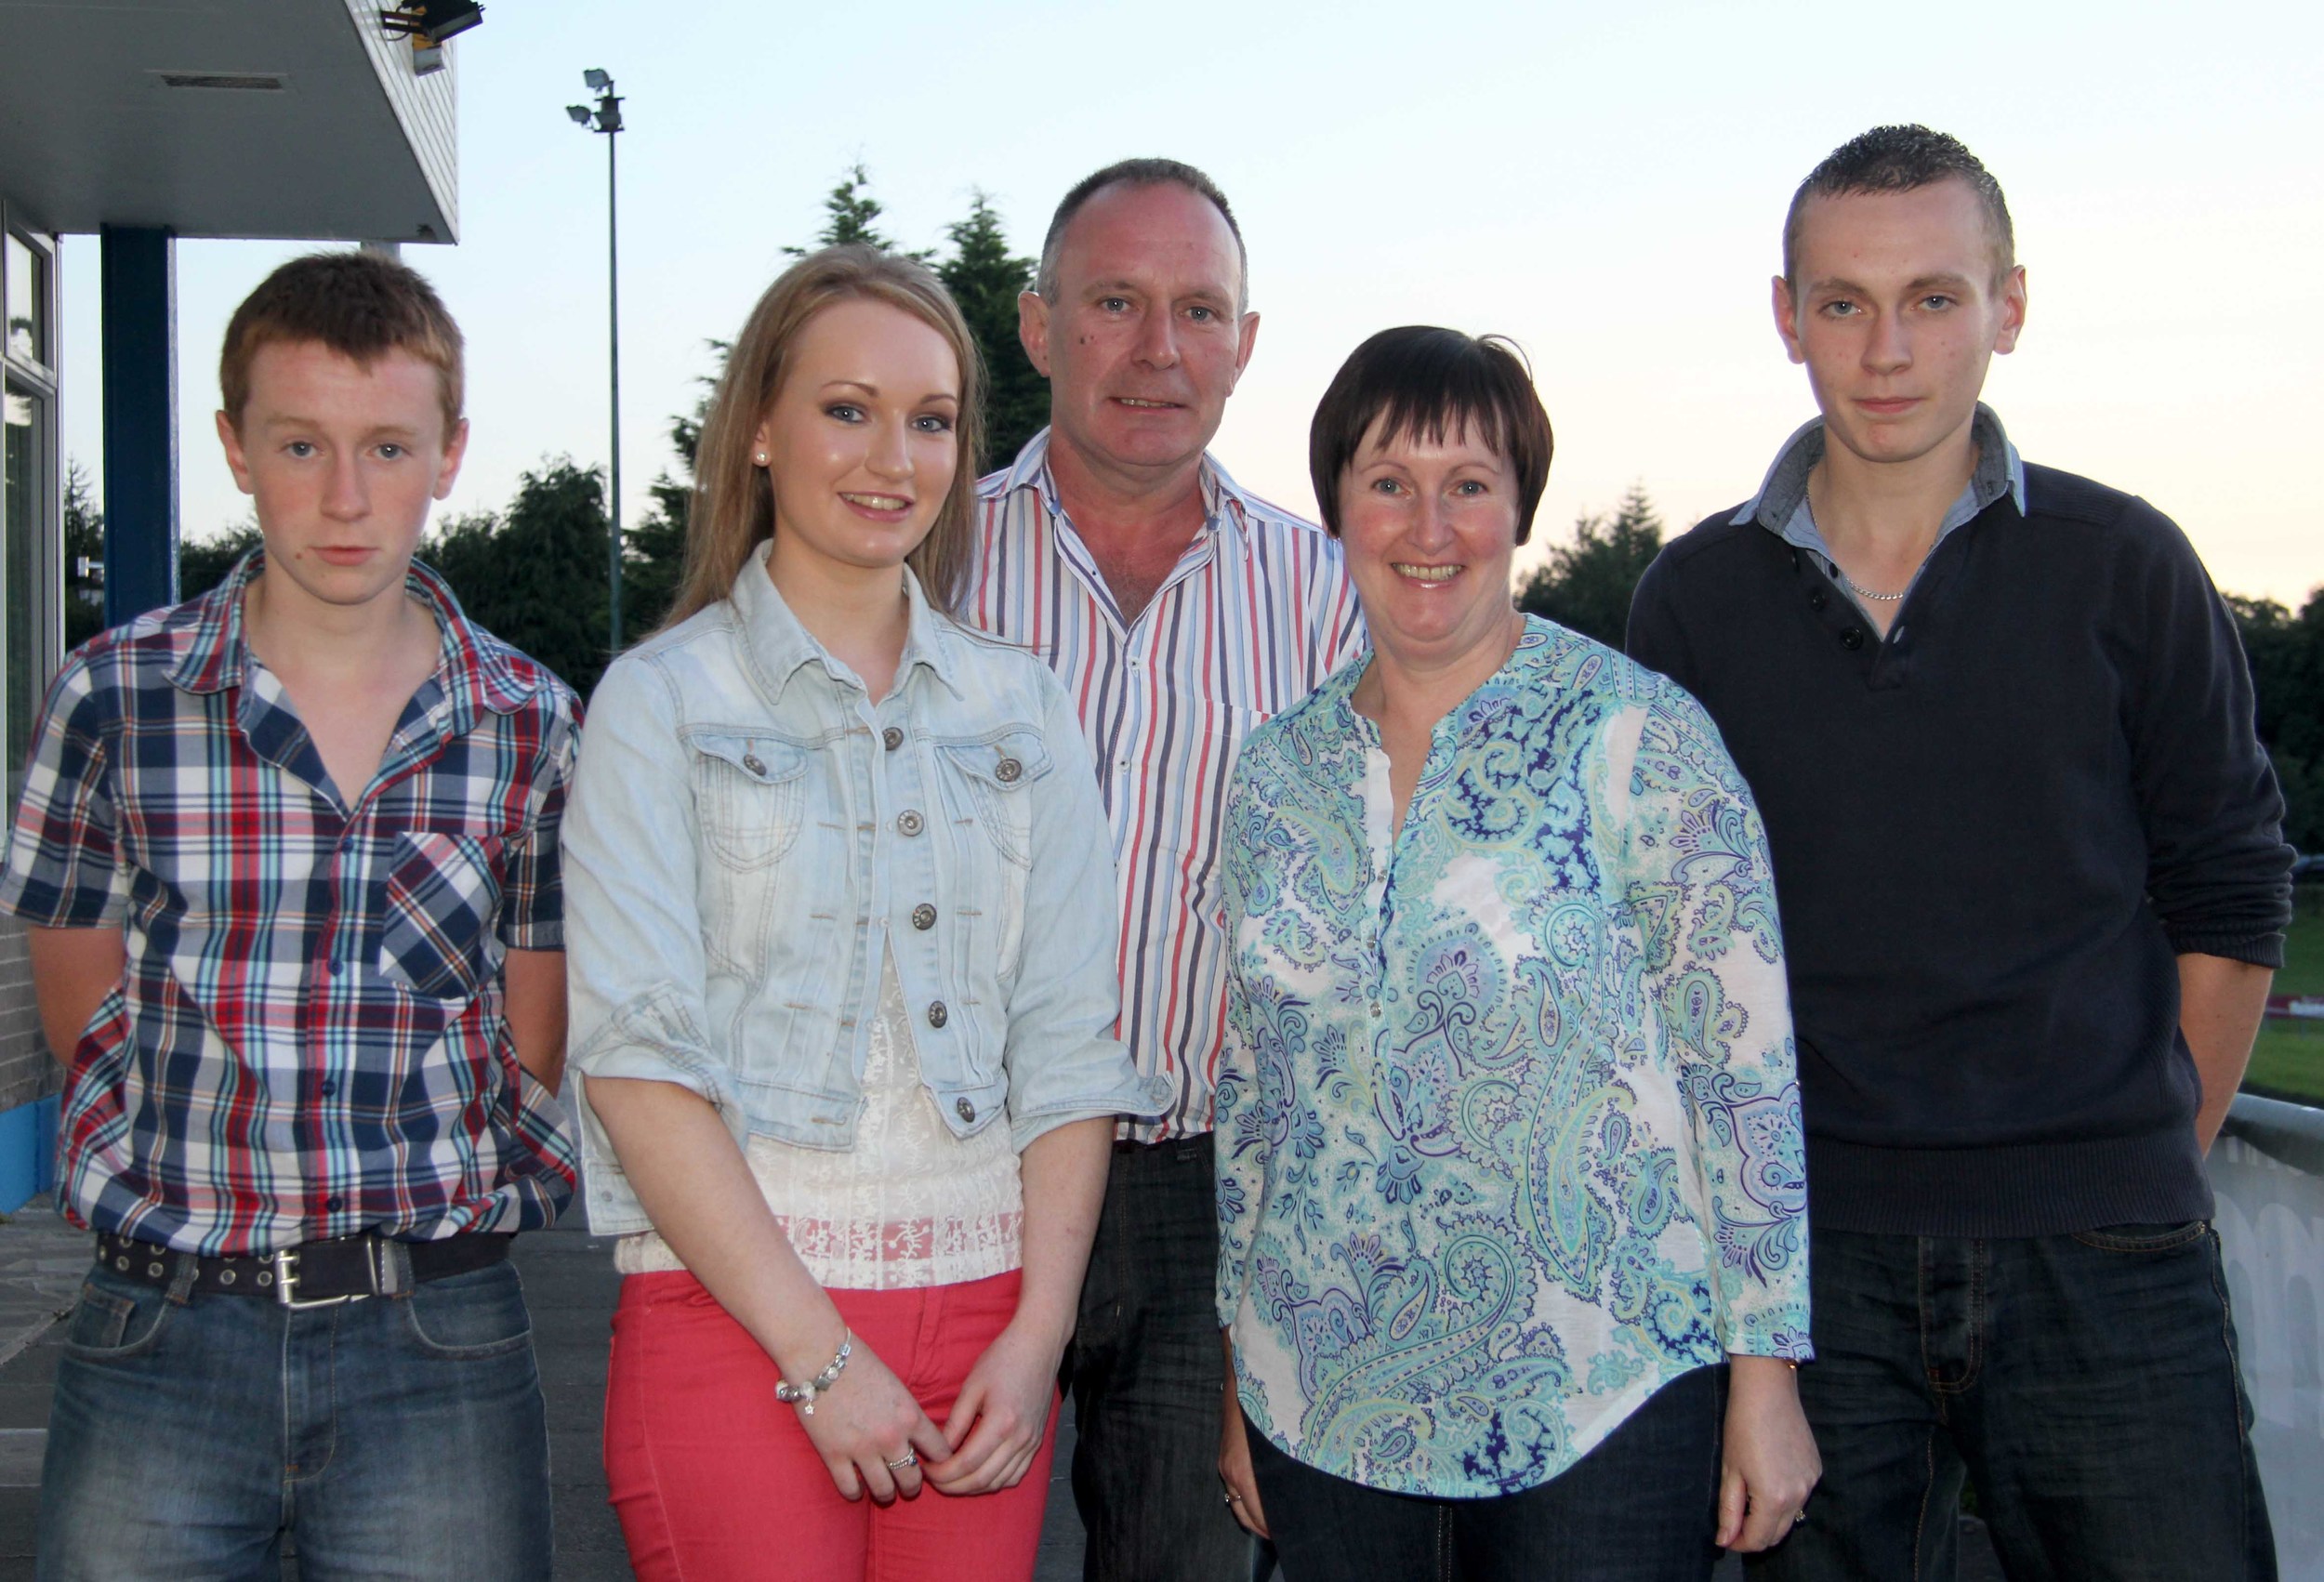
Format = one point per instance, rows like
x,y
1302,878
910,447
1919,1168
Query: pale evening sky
x,y
1605,184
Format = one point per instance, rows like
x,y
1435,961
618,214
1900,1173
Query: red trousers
x,y
714,1481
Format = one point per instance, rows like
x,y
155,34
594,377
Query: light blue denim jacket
x,y
748,833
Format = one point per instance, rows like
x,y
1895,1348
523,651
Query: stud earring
x,y
760,458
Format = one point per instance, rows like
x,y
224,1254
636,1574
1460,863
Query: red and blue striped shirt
x,y
1256,613
308,1040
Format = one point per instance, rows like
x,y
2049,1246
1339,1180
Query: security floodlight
x,y
606,119
434,20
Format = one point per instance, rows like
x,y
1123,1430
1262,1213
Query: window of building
x,y
25,286
30,557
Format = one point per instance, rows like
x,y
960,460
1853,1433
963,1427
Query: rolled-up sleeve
x,y
1063,1062
63,869
533,897
1695,854
2218,870
635,966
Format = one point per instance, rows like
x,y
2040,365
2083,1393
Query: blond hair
x,y
733,509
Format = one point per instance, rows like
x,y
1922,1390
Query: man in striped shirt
x,y
1180,611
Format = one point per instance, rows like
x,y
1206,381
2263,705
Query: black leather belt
x,y
345,1270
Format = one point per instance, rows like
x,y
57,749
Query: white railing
x,y
2268,1172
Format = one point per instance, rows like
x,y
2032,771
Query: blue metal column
x,y
139,293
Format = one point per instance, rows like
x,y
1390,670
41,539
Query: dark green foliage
x,y
202,564
535,577
84,542
1587,584
982,275
852,214
2287,655
986,279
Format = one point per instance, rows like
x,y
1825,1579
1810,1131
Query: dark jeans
x,y
396,1437
2086,1383
1641,1507
1147,1372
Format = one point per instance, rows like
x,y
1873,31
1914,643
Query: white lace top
x,y
910,1205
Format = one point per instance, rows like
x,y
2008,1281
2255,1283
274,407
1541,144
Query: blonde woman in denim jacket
x,y
841,925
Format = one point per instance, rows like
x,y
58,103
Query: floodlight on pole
x,y
606,118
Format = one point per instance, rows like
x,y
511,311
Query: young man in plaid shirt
x,y
289,856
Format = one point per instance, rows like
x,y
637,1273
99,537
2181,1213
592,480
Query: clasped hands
x,y
874,1439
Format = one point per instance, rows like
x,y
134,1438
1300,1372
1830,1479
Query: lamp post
x,y
606,118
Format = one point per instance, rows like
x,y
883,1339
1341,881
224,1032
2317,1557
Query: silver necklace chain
x,y
1862,592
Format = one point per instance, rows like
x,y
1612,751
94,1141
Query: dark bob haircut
x,y
1419,381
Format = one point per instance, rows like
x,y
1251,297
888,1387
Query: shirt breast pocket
x,y
442,893
749,795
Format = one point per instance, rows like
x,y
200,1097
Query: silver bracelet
x,y
803,1395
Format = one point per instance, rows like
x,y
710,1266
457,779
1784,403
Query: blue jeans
x,y
1147,1372
2087,1384
1641,1507
393,1437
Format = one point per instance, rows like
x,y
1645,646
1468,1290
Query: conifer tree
x,y
1587,584
986,279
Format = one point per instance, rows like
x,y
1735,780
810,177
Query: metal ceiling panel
x,y
290,119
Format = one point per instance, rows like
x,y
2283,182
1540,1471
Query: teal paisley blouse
x,y
1508,1132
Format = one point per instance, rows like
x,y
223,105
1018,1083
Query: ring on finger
x,y
910,1458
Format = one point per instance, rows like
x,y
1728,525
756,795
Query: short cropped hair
x,y
1138,173
1899,159
359,305
1420,380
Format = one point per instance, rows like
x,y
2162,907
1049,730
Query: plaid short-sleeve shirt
x,y
308,1039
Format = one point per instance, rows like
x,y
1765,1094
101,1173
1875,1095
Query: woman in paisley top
x,y
1510,1194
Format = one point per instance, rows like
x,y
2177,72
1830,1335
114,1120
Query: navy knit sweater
x,y
1993,834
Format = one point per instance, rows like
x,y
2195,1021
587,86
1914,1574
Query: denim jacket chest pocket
x,y
750,792
988,783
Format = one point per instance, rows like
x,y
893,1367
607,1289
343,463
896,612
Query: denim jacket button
x,y
750,762
923,917
937,1013
1008,769
892,737
966,1111
909,822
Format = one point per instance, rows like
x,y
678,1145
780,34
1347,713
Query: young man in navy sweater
x,y
2033,888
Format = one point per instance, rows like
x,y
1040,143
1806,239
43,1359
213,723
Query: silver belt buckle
x,y
286,1284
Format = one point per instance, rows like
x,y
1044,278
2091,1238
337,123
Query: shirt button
x,y
923,917
1008,769
334,1203
329,1087
937,1014
909,822
750,762
1376,1008
892,737
334,968
1815,599
1851,639
965,1110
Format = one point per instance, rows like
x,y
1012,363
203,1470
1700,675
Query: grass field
x,y
2288,1061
